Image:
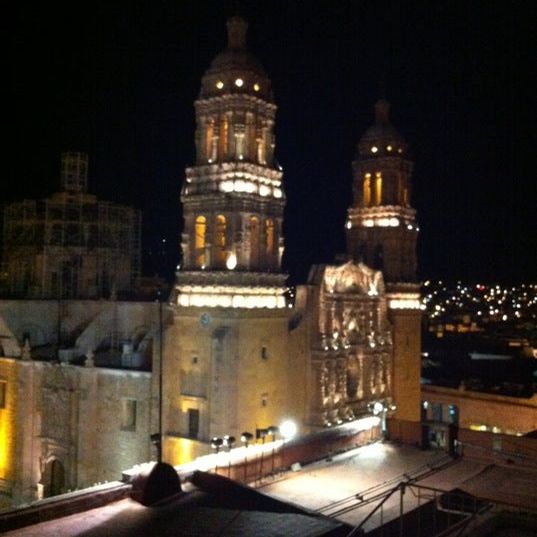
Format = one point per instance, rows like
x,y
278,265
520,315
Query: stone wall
x,y
68,427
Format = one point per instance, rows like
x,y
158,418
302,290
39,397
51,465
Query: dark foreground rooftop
x,y
211,506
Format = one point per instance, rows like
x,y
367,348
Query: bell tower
x,y
381,225
382,232
233,198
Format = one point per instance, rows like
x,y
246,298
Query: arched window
x,y
199,240
209,134
224,133
254,241
378,188
269,237
367,190
220,240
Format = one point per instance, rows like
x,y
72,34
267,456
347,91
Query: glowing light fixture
x,y
219,84
231,262
239,82
348,225
288,429
378,407
256,87
389,147
264,190
374,149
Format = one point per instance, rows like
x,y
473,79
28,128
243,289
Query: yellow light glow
x,y
374,149
232,298
219,84
239,82
7,422
256,87
389,147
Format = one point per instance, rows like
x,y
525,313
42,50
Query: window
x,y
193,422
453,414
269,233
264,353
378,188
209,140
254,241
224,131
199,240
264,399
128,414
367,190
437,412
220,240
3,393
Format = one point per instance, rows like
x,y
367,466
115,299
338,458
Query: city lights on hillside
x,y
461,304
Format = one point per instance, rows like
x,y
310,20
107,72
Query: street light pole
x,y
160,377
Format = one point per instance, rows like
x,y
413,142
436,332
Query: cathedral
x,y
239,355
232,352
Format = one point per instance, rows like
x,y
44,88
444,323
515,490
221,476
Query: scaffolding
x,y
71,245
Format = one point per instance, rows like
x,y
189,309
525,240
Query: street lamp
x,y
229,441
261,433
246,437
273,430
380,408
288,429
216,444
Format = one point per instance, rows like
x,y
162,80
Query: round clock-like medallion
x,y
205,319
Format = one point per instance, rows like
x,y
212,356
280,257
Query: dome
x,y
382,138
236,69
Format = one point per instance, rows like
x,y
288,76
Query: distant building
x,y
70,245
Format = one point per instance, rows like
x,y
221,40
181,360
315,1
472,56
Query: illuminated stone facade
x,y
236,358
69,423
226,357
65,427
348,342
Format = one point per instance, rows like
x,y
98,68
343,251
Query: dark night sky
x,y
119,79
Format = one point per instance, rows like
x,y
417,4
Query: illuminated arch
x,y
220,240
224,133
269,237
254,241
378,188
199,240
367,190
209,134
